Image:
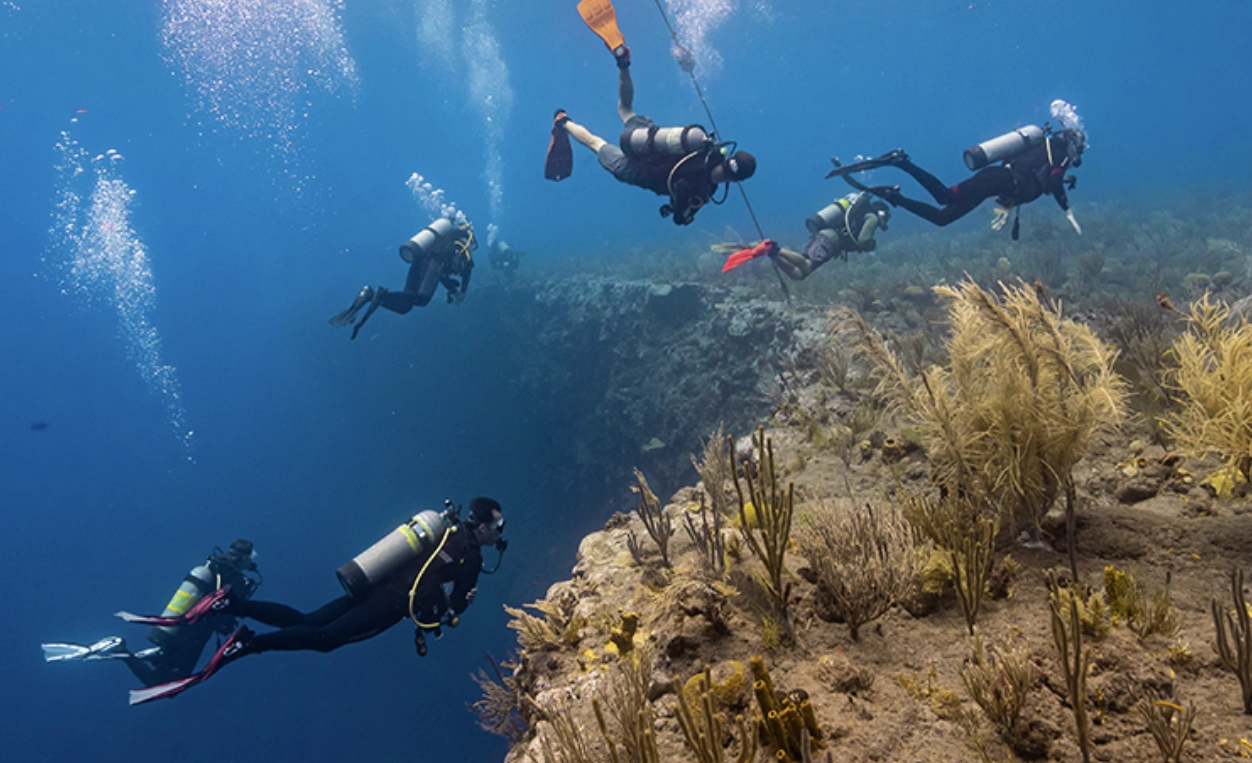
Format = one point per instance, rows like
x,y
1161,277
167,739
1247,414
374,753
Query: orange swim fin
x,y
602,18
764,249
559,162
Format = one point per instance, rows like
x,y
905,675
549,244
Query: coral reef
x,y
696,615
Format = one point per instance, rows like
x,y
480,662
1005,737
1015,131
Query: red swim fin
x,y
763,249
228,650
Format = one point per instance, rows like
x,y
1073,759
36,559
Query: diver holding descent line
x,y
687,164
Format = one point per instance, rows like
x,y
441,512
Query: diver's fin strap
x,y
215,602
602,18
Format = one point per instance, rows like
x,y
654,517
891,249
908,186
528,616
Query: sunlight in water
x,y
101,261
253,64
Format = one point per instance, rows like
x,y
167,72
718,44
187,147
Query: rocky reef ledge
x,y
634,373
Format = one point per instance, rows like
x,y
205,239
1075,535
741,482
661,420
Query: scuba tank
x,y
415,538
1006,146
427,240
832,215
664,140
196,584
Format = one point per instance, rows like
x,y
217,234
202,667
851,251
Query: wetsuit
x,y
685,179
446,266
346,620
180,650
1020,180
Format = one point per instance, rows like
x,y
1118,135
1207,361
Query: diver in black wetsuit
x,y
426,569
347,620
1037,171
438,254
177,648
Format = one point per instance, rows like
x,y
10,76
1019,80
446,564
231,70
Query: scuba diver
x,y
684,163
177,648
438,254
505,259
426,569
1032,162
845,225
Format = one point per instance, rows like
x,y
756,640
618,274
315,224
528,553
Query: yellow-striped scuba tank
x,y
200,581
833,215
416,538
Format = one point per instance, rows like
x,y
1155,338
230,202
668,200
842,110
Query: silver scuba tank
x,y
427,239
830,216
415,538
1006,146
664,140
196,584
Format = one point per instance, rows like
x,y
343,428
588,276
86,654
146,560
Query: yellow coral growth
x,y
785,717
1215,376
622,637
725,693
1023,396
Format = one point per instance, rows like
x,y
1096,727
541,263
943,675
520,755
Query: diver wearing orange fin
x,y
687,164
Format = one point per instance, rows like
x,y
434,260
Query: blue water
x,y
192,391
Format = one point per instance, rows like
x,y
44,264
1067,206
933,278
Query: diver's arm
x,y
1062,200
866,236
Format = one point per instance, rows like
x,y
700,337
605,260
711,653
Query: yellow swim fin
x,y
602,18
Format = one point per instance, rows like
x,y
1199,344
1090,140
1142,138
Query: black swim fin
x,y
888,159
345,318
559,162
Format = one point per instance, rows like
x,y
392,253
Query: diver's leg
x,y
941,193
964,197
625,94
795,265
366,619
419,286
270,613
147,674
583,135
